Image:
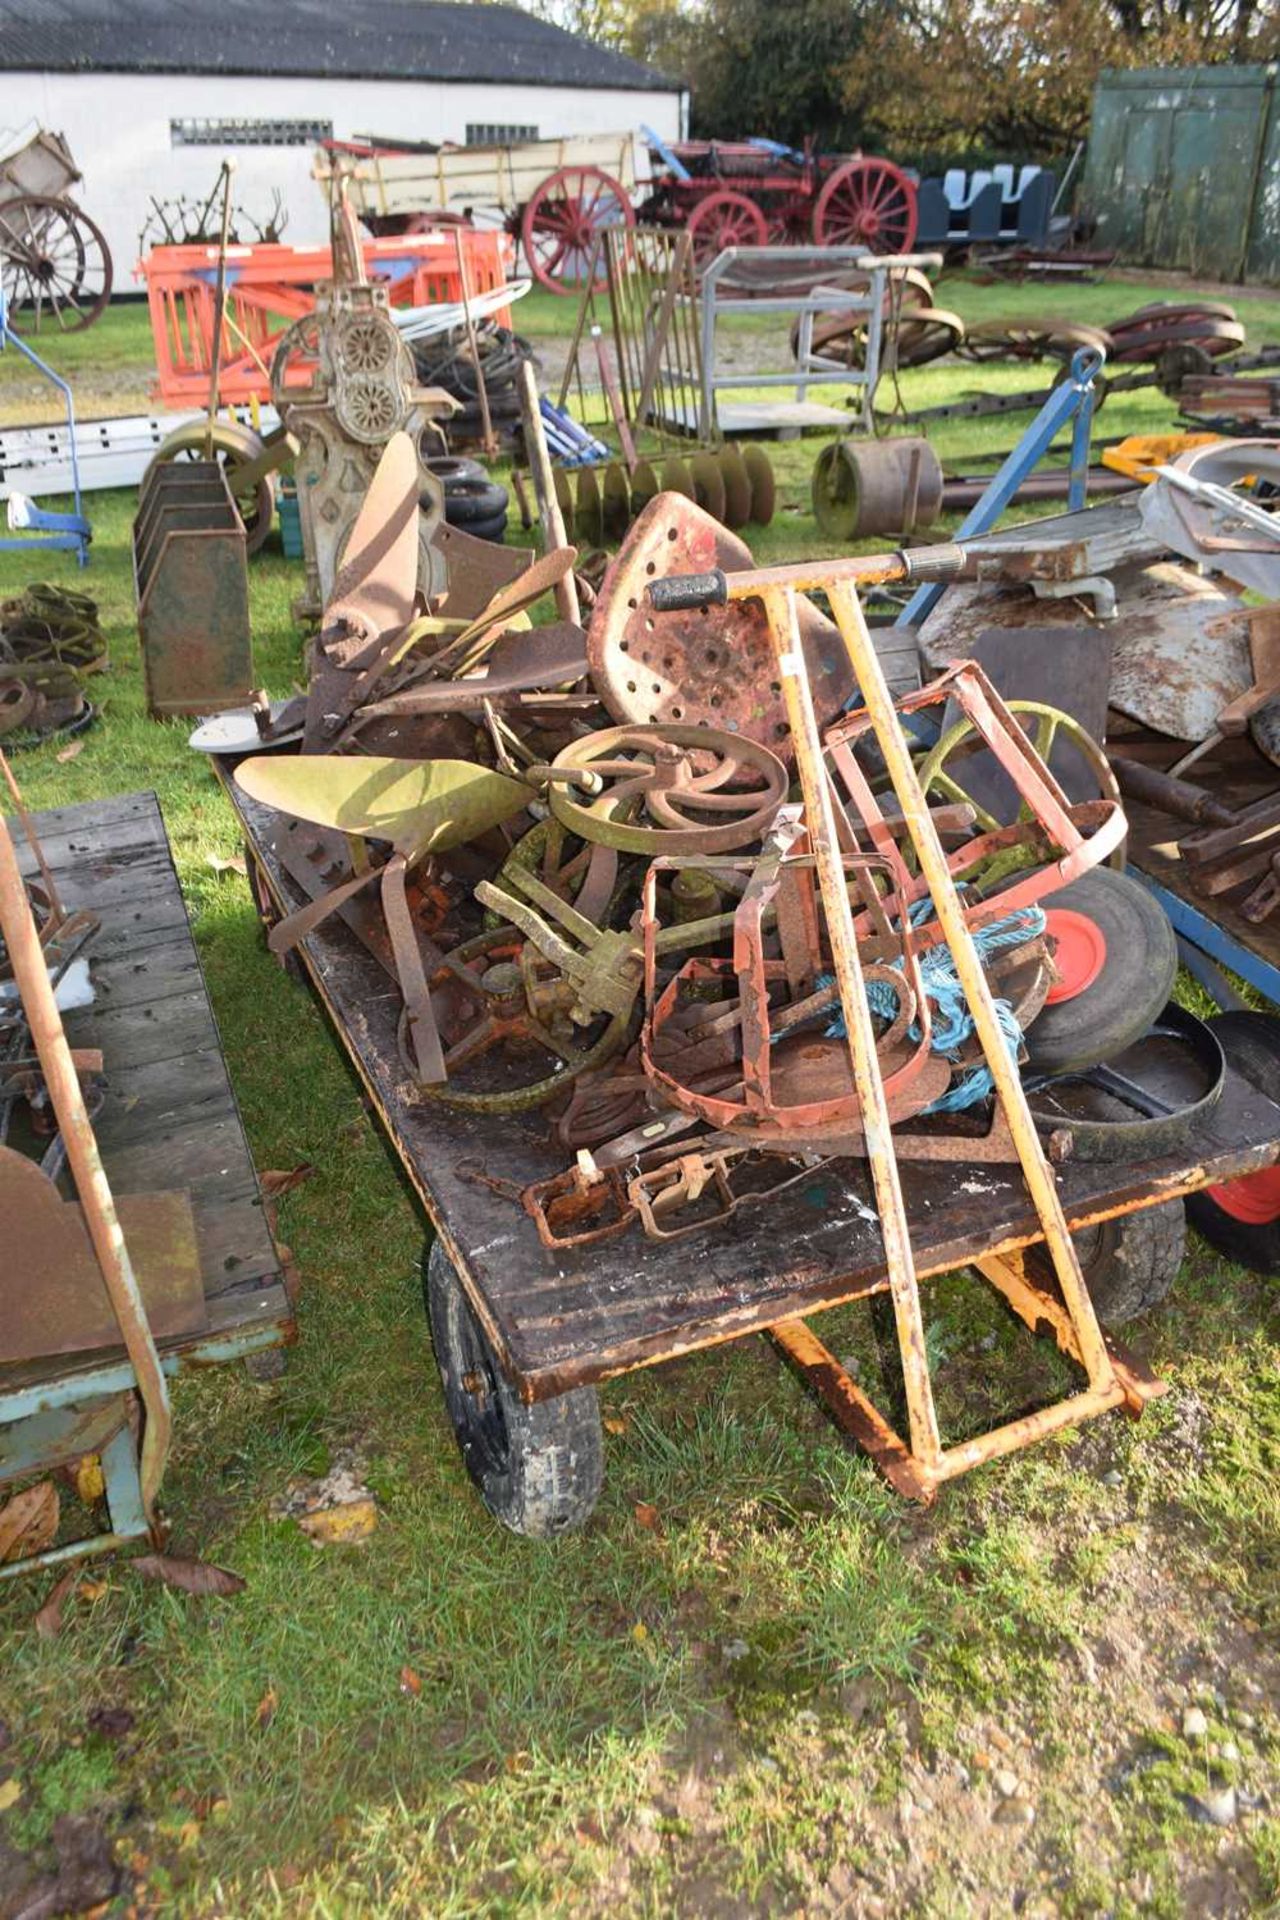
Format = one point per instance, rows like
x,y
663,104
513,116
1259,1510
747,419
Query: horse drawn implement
x,y
559,196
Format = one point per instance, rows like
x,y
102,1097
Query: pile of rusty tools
x,y
687,890
50,643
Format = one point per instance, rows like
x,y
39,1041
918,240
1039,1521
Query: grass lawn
x,y
758,1682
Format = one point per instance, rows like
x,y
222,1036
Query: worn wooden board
x,y
170,1119
563,1321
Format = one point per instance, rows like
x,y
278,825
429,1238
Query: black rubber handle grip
x,y
684,592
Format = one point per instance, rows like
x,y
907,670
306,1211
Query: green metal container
x,y
1183,169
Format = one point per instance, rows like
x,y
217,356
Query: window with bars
x,y
249,133
497,135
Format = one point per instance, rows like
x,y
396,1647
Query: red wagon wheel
x,y
725,220
867,203
562,220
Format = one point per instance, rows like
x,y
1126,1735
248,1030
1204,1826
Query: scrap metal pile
x,y
684,883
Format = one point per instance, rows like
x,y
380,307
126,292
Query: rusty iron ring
x,y
661,771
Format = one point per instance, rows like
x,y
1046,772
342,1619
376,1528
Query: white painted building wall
x,y
117,126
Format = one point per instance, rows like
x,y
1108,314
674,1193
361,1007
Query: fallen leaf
x,y
189,1835
90,1485
265,1711
517,1763
92,1590
344,1525
69,753
49,1618
279,1181
640,1631
409,1681
10,1793
188,1576
234,865
612,1424
29,1521
647,1516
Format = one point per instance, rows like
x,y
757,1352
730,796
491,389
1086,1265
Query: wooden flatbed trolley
x,y
524,1335
168,1126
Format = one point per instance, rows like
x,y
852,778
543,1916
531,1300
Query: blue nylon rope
x,y
952,1021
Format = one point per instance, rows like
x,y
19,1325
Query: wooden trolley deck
x,y
170,1119
558,1322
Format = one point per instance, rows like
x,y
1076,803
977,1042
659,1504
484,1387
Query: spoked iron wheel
x,y
867,203
562,222
958,771
652,790
725,220
54,263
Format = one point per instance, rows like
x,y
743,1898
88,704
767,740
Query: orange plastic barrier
x,y
269,287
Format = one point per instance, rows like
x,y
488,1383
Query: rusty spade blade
x,y
378,579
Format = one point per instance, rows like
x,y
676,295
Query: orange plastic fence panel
x,y
270,286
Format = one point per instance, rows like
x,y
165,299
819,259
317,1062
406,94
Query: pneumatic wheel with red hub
x,y
1241,1218
1118,959
867,203
563,220
725,220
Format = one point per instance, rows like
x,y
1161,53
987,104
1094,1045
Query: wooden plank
x,y
169,1119
558,1321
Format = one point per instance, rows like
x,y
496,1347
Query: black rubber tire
x,y
1129,1264
472,500
538,1469
1251,1042
1136,980
449,468
495,529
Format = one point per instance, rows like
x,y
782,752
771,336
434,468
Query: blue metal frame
x,y
66,532
1073,400
1205,934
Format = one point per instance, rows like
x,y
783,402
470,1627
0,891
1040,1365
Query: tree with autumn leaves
x,y
910,77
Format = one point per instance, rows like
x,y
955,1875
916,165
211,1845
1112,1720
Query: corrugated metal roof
x,y
362,39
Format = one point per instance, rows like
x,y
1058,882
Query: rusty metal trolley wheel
x,y
723,220
1117,959
53,260
539,1469
867,203
235,446
1129,1264
1241,1218
562,222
